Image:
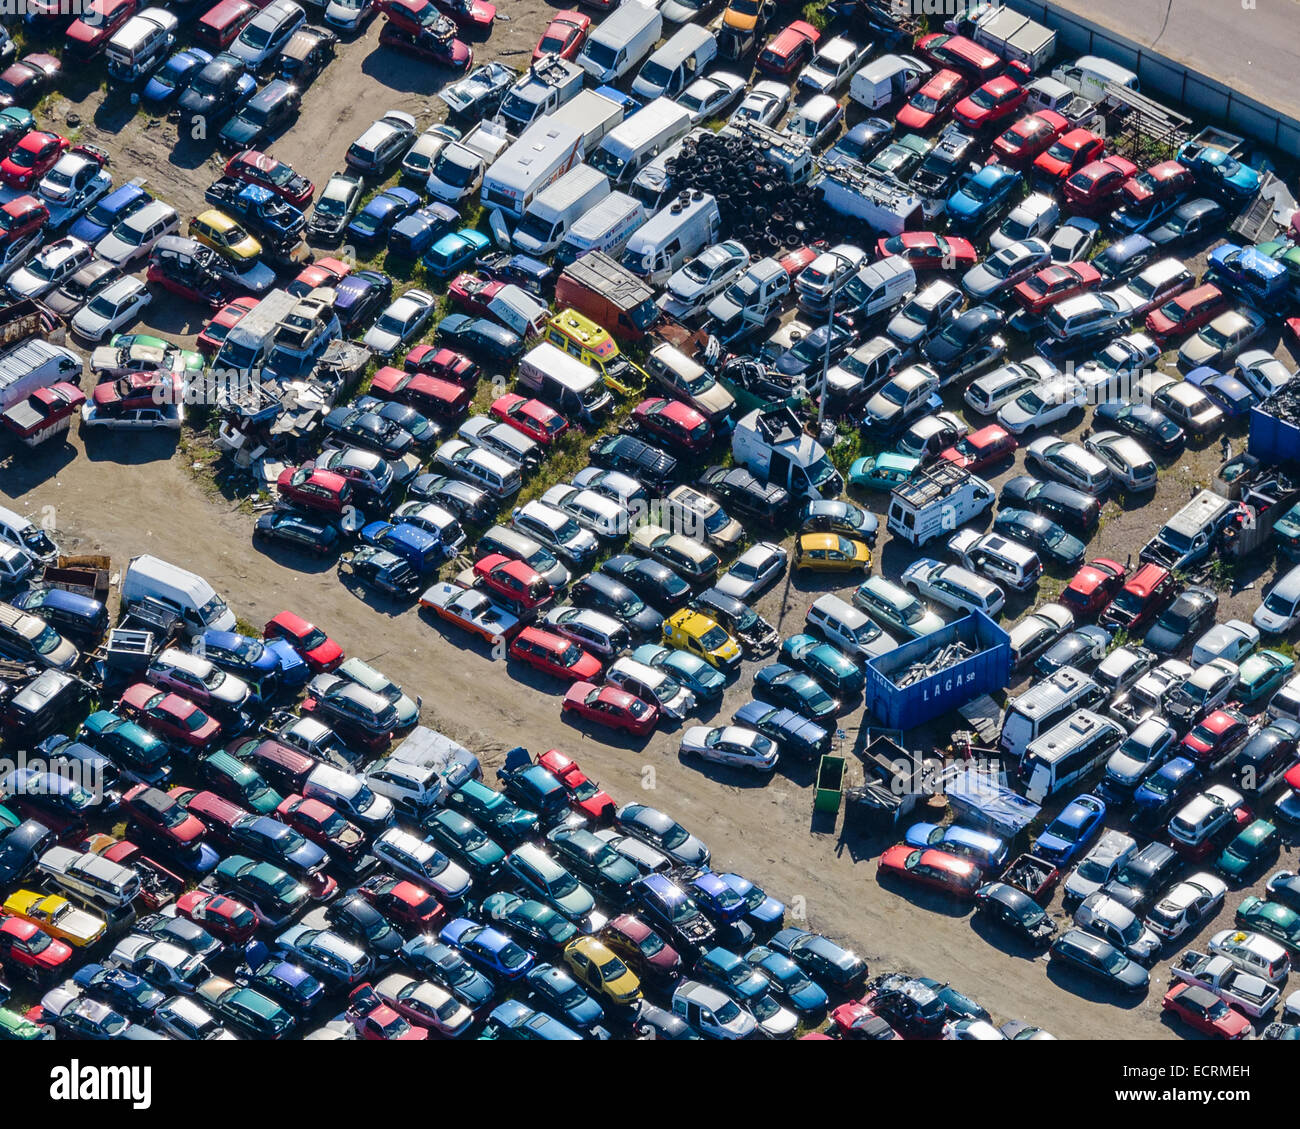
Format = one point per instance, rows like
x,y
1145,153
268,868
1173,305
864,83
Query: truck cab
x,y
773,445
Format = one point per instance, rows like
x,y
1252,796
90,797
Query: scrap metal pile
x,y
935,662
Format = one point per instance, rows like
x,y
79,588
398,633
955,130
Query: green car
x,y
533,919
828,664
1272,919
1288,254
1256,843
180,361
465,842
18,1028
883,472
781,685
246,1007
489,808
15,122
1262,673
703,680
232,777
133,747
1286,532
8,821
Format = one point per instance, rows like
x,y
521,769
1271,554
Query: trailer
x,y
544,152
592,112
46,413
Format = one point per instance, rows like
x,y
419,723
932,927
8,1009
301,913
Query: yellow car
x,y
695,632
600,969
744,15
218,231
57,916
831,552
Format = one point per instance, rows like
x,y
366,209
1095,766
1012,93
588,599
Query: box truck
x,y
556,208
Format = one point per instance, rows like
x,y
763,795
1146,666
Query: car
x,y
380,215
1015,911
825,662
754,571
47,270
765,103
981,196
266,115
1100,959
478,337
169,715
711,96
788,50
932,103
1054,284
1260,673
1048,401
1219,171
1095,187
730,745
1067,836
1192,610
831,967
317,649
1201,692
25,81
400,323
1142,421
542,925
944,871
119,304
1052,499
969,342
611,707
1186,905
1272,919
1253,846
1218,342
1205,1012
1020,144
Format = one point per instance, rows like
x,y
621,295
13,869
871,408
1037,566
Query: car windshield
x,y
714,638
1090,870
256,36
1114,961
47,641
1014,229
602,55
455,166
728,1012
103,307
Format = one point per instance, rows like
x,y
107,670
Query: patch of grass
x,y
243,627
815,13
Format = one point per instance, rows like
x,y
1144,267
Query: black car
x,y
968,342
464,841
792,689
463,499
1141,421
20,849
353,916
809,353
1101,960
669,908
382,570
604,593
1191,613
424,433
267,114
297,530
1125,258
747,496
218,90
1145,875
833,515
1050,541
1052,499
369,431
633,456
1266,755
654,582
595,862
1188,221
307,53
1015,911
480,338
834,968
1075,649
359,298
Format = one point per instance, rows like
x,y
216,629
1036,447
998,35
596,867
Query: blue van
x,y
1250,274
417,547
109,211
69,613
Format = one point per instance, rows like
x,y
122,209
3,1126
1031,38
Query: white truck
x,y
1250,994
866,196
591,112
544,152
459,166
750,303
773,446
546,86
250,340
555,209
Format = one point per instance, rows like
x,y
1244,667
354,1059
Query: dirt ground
x,y
127,496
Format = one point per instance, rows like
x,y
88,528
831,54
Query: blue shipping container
x,y
904,707
1273,440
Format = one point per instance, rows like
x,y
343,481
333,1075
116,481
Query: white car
x,y
557,531
599,633
836,61
116,306
622,488
815,121
986,394
74,183
266,33
1233,641
1261,372
1069,463
651,684
952,586
1035,215
923,315
1046,402
766,103
49,267
596,512
713,1012
1038,631
401,323
752,572
901,397
694,285
1192,901
1074,240
931,434
972,1030
349,15
1125,457
1108,918
456,174
1085,317
1259,955
731,745
412,857
1153,286
419,159
134,237
166,965
1204,816
708,97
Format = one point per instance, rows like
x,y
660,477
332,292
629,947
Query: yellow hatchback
x,y
831,552
703,636
600,969
57,916
217,230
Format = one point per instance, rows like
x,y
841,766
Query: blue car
x,y
487,947
417,547
69,613
733,974
978,846
455,251
292,987
175,75
716,898
1069,833
417,232
706,682
1220,171
523,271
1229,393
279,843
381,214
980,196
515,1020
443,964
1160,792
124,991
1249,273
108,212
556,988
246,658
420,427
762,911
789,981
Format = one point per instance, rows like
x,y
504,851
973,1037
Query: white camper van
x,y
672,236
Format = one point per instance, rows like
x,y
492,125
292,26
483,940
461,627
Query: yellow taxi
x,y
703,636
593,345
217,230
57,916
598,967
831,552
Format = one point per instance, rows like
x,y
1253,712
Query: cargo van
x,y
606,228
887,79
621,40
556,208
1043,705
185,592
610,295
1067,752
639,139
218,28
564,382
1090,74
672,236
676,64
593,345
140,45
880,287
939,500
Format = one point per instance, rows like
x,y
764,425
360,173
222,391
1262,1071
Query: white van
x,y
880,287
192,597
564,382
677,63
849,628
1067,752
1280,610
621,40
1043,705
606,228
23,533
639,139
883,80
557,207
937,501
1089,75
90,878
672,236
139,46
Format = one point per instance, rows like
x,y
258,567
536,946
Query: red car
x,y
159,814
991,104
403,902
444,363
857,1020
1215,736
20,217
314,489
930,867
978,63
472,294
1093,587
323,272
1292,326
930,105
536,420
1094,187
554,654
135,390
518,583
219,914
373,1019
611,707
1142,598
437,45
89,35
1186,313
223,321
1159,182
1054,284
675,422
564,36
789,49
430,395
1031,135
28,949
22,83
317,821
982,448
168,715
470,15
1205,1012
928,250
584,796
317,649
642,949
259,168
411,15
1068,154
32,158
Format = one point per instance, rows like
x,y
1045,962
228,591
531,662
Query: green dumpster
x,y
830,784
